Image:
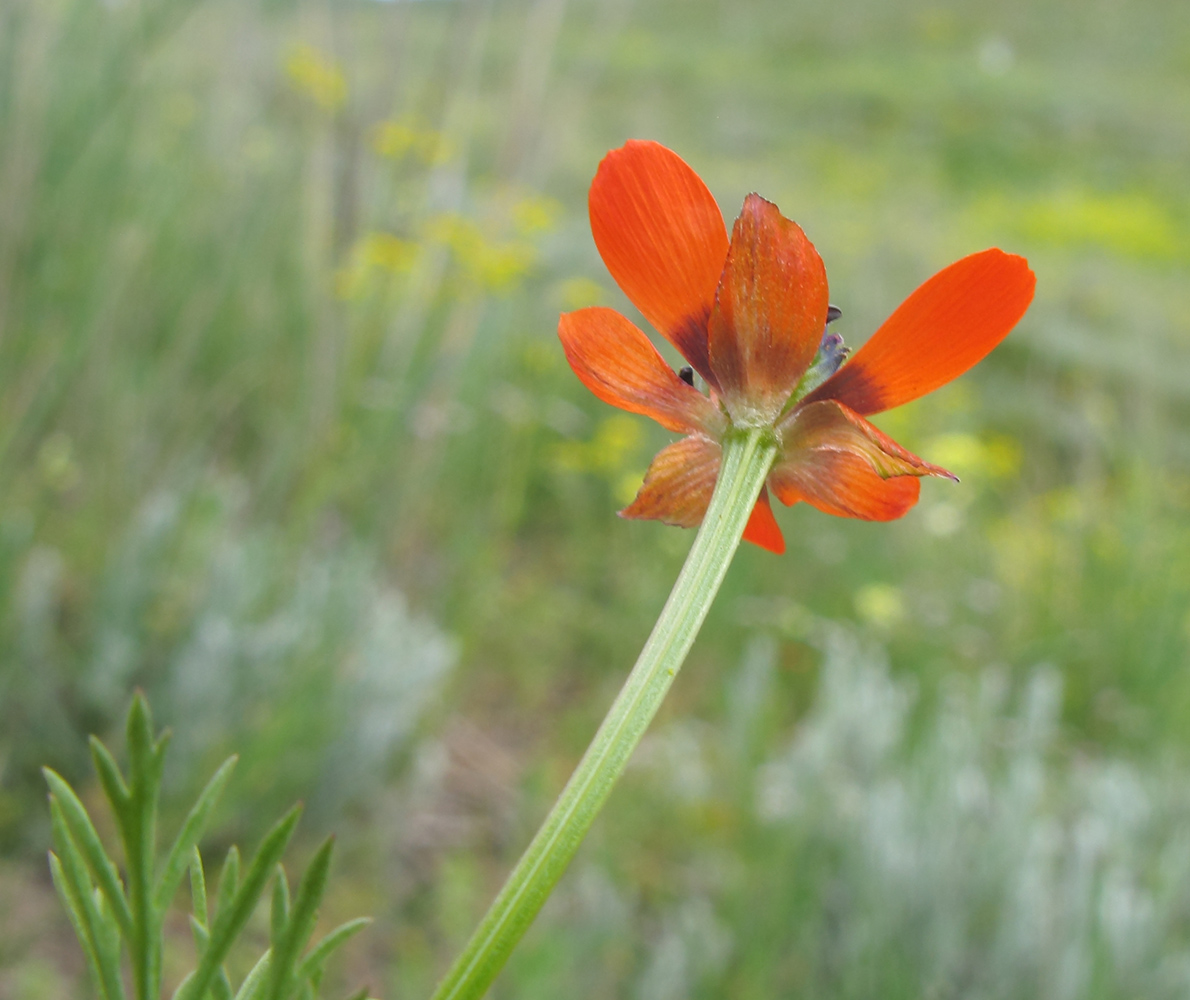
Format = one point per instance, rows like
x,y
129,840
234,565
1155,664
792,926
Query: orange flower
x,y
750,316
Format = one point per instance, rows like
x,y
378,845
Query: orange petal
x,y
617,362
949,324
845,485
662,237
678,486
762,528
829,426
769,313
837,461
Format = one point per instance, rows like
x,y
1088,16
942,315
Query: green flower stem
x,y
747,458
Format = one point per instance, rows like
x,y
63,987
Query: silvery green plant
x,y
120,918
904,845
223,620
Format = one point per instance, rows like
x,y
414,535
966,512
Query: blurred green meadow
x,y
287,441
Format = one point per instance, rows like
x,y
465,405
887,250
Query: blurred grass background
x,y
287,440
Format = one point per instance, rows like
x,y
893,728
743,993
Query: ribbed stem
x,y
747,458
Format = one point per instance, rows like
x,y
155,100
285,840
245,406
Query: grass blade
x,y
74,814
198,888
138,829
279,912
74,889
229,881
301,922
314,961
107,934
231,918
110,777
78,918
179,854
253,984
221,985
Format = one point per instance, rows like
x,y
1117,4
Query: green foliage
x,y
117,918
893,845
272,450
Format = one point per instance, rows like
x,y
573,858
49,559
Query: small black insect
x,y
833,313
686,374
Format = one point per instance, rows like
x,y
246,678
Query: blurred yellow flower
x,y
535,214
316,75
57,464
578,293
628,485
389,252
880,604
616,441
376,252
494,266
406,136
1130,224
996,457
1065,505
